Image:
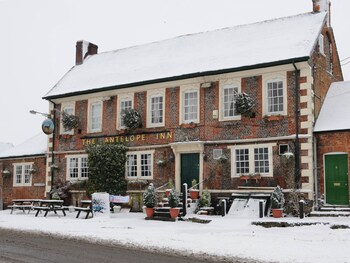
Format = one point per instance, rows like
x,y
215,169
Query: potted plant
x,y
174,201
170,187
194,192
150,200
277,202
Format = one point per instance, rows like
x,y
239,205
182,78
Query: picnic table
x,y
49,206
23,204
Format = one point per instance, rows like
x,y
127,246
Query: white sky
x,y
38,40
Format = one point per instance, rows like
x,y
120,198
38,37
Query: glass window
x,y
22,176
242,161
229,97
275,97
124,105
77,167
190,106
157,109
139,165
261,160
96,116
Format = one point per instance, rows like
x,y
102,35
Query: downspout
x,y
315,175
52,170
296,150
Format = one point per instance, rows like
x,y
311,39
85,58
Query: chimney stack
x,y
322,6
84,49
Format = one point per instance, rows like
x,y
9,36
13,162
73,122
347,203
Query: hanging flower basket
x,y
131,119
69,121
244,105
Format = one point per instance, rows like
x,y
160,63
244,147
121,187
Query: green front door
x,y
336,175
189,168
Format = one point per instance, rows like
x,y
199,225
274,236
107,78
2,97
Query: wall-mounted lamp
x,y
171,157
288,155
106,98
6,172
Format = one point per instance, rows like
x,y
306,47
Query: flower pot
x,y
167,192
150,212
277,212
174,212
194,194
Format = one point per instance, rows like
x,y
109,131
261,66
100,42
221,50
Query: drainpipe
x,y
315,175
296,150
53,144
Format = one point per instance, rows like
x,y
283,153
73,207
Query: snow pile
x,y
223,236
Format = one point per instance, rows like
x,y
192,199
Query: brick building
x,y
332,133
185,90
23,170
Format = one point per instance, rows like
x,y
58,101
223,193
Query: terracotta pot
x,y
194,194
149,212
277,212
174,212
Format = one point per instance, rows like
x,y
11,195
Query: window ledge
x,y
188,125
273,118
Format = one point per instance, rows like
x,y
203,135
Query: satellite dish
x,y
48,126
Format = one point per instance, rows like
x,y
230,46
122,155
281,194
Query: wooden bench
x,y
50,205
87,210
21,207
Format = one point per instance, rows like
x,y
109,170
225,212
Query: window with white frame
x,y
95,115
155,109
77,167
22,175
69,109
139,165
229,88
275,96
321,44
125,102
189,103
250,159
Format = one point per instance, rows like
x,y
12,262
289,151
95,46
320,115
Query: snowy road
x,y
35,248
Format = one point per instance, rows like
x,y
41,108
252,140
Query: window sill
x,y
188,125
273,117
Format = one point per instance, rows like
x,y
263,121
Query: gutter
x,y
181,77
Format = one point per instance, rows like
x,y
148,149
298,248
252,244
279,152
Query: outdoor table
x,y
49,206
23,204
85,206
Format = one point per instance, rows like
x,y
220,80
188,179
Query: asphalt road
x,y
18,247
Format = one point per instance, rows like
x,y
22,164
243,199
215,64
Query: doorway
x,y
189,168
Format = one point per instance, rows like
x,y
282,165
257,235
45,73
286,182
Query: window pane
x,y
275,96
242,161
18,174
229,99
68,111
157,109
131,165
124,105
261,160
96,121
73,167
27,173
146,165
190,106
84,168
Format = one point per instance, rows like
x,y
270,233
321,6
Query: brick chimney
x,y
84,49
323,6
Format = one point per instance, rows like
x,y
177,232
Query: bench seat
x,y
87,210
20,207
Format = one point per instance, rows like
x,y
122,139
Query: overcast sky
x,y
38,40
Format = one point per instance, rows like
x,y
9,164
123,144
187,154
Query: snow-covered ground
x,y
224,236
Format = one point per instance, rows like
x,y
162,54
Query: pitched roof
x,y
334,114
5,145
36,145
229,49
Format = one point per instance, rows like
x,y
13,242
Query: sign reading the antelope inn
x,y
144,137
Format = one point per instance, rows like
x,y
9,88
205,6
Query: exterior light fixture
x,y
288,155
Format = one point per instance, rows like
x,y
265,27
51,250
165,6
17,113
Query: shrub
x,y
205,199
244,104
107,168
131,119
174,198
149,197
277,198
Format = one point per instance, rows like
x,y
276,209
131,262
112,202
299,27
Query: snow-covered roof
x,y
230,49
5,145
34,146
334,114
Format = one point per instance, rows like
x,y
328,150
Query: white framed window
x,y
275,94
125,102
156,111
250,159
77,167
21,174
95,115
68,108
228,92
139,165
321,44
189,104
